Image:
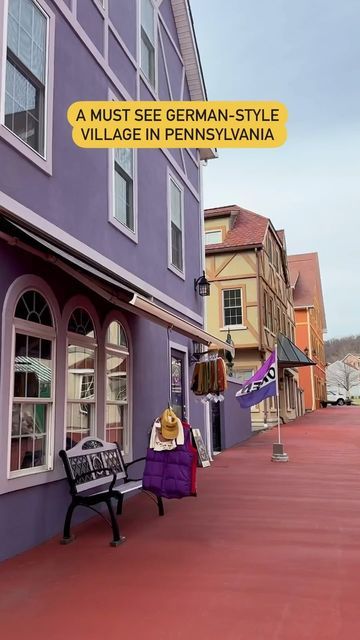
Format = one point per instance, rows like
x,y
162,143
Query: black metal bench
x,y
97,473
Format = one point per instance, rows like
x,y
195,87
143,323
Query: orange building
x,y
310,323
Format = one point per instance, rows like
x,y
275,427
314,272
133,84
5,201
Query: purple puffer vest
x,y
171,474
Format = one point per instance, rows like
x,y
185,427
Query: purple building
x,y
98,248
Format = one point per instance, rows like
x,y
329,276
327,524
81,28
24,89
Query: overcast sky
x,y
307,55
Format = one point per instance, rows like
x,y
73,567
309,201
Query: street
x,y
266,551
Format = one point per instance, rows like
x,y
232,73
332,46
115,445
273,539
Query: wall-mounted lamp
x,y
203,284
306,351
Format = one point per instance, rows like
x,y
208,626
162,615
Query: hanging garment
x,y
209,377
172,474
221,375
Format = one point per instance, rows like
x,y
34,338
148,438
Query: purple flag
x,y
262,384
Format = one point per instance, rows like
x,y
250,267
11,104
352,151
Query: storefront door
x,y
216,425
178,401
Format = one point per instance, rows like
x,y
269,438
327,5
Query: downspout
x,y
311,368
261,322
207,405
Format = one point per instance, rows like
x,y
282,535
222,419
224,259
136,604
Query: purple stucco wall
x,y
122,14
92,22
76,197
168,17
235,421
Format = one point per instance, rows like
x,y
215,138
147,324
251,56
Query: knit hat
x,y
169,425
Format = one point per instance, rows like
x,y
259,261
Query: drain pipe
x,y
260,323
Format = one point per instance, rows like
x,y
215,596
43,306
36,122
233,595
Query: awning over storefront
x,y
289,355
113,290
161,316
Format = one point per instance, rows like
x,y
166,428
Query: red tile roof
x,y
294,276
247,228
306,279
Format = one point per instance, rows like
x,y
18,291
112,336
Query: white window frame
x,y
242,370
26,327
210,231
233,326
152,87
78,340
43,161
172,179
130,233
112,349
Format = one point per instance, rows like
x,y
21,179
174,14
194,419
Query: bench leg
x,y
67,538
119,505
117,538
160,506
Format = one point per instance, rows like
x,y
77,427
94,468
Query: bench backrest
x,y
87,464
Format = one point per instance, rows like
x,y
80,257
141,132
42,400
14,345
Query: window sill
x,y
234,327
30,154
31,478
176,271
23,473
148,85
132,235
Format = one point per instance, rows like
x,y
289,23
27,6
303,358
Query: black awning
x,y
113,290
65,257
289,355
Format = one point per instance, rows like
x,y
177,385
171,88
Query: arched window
x,y
33,384
81,377
117,385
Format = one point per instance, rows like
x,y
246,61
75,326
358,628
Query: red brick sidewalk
x,y
267,551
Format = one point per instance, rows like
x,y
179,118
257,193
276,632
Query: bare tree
x,y
343,377
338,348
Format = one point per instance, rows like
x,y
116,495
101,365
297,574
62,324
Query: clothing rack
x,y
203,356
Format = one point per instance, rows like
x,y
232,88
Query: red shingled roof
x,y
306,279
247,229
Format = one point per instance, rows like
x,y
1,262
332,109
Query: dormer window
x,y
213,237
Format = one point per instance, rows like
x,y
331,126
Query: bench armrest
x,y
128,464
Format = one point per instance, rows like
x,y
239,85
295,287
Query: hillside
x,y
338,348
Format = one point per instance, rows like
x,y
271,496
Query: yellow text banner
x,y
178,124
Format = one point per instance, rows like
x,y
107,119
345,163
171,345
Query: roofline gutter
x,y
196,48
246,247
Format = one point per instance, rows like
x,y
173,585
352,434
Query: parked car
x,y
334,398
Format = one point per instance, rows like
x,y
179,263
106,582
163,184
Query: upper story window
x,y
242,375
124,188
176,230
270,249
26,63
232,307
148,40
213,237
81,377
33,379
271,318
